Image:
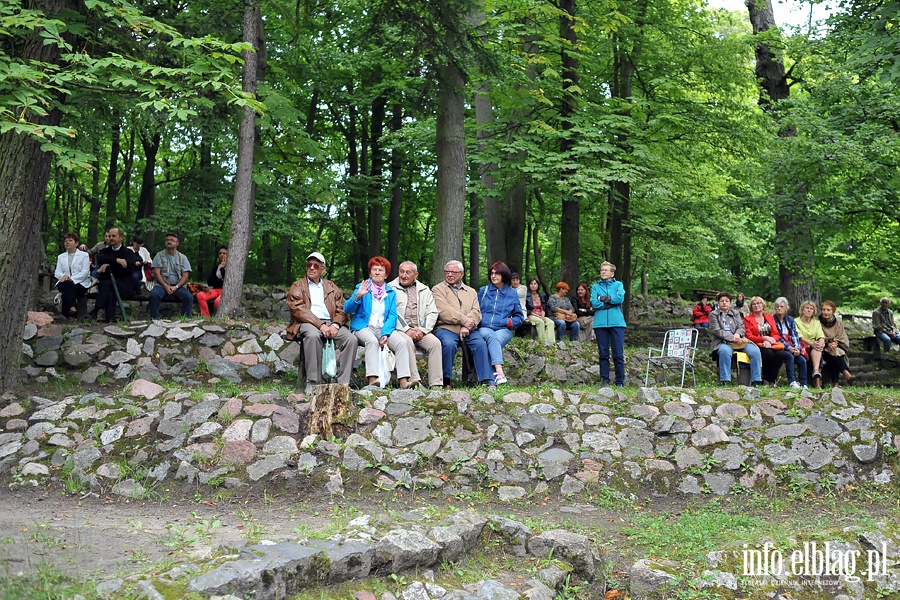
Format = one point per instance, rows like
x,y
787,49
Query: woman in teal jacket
x,y
607,296
373,307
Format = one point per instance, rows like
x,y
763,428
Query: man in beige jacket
x,y
416,317
458,317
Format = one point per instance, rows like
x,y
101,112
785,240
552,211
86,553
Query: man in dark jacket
x,y
115,261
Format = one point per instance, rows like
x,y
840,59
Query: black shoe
x,y
756,383
725,383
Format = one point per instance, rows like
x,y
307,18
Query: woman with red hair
x,y
373,306
563,314
837,345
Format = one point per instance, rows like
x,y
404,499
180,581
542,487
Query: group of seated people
x,y
771,340
119,272
405,314
402,315
554,316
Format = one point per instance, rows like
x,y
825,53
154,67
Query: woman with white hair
x,y
796,352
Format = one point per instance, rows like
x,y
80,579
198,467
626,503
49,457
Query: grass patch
x,y
692,533
45,581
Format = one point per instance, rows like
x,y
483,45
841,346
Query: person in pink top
x,y
536,311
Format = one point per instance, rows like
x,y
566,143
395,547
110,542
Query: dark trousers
x,y
106,297
611,339
70,292
771,363
832,367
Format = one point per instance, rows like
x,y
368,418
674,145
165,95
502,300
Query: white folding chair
x,y
679,348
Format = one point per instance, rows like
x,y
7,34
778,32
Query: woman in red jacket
x,y
762,331
702,309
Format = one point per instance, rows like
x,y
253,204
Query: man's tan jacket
x,y
452,310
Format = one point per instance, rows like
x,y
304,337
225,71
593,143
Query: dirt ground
x,y
105,536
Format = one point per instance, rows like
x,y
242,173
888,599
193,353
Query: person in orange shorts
x,y
215,281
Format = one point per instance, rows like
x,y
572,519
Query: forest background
x,y
693,146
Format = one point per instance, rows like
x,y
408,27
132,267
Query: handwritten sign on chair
x,y
679,343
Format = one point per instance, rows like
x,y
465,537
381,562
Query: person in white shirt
x,y
73,275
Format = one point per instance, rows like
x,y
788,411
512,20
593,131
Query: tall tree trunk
x,y
475,243
357,201
526,274
451,168
535,238
112,174
147,199
494,223
24,171
95,203
570,219
796,278
625,58
512,209
620,235
393,253
126,176
266,255
206,243
244,204
376,205
495,231
286,256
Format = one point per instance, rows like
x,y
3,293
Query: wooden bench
x,y
139,299
870,343
526,329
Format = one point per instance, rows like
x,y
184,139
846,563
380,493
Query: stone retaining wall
x,y
566,442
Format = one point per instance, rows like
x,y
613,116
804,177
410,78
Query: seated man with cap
x,y
171,270
317,314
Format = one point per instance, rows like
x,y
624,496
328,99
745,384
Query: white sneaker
x,y
499,378
804,387
795,385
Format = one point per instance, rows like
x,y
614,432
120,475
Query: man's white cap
x,y
318,256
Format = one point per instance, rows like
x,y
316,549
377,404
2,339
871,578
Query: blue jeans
x,y
157,294
476,345
611,338
725,351
887,340
789,363
574,330
495,340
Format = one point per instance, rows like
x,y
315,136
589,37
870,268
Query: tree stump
x,y
331,413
